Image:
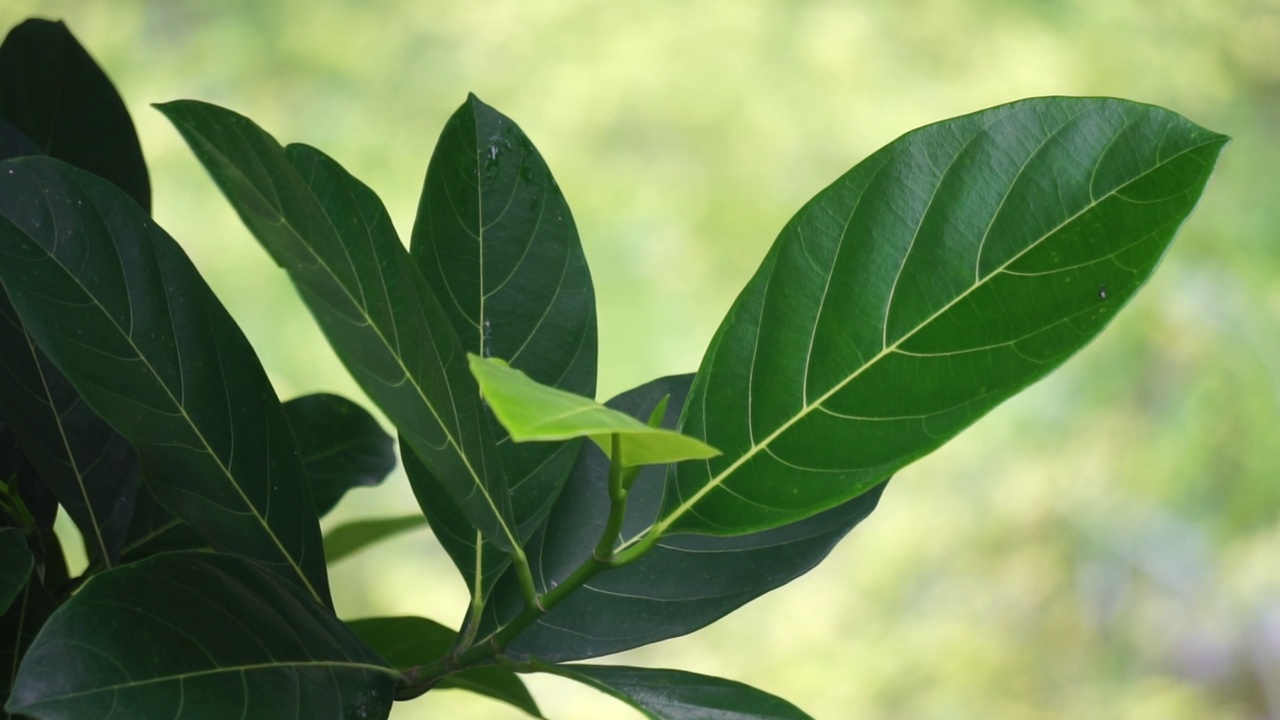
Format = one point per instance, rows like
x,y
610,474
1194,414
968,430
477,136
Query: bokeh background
x,y
1107,545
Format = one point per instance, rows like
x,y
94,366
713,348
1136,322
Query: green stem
x,y
420,679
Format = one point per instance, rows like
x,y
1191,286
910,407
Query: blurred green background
x,y
1107,545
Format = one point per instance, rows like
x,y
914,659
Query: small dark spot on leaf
x,y
1102,292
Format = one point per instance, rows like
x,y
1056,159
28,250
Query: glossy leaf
x,y
406,642
58,97
497,244
334,238
87,465
534,412
943,274
682,584
15,565
198,635
352,537
153,529
678,695
151,350
342,446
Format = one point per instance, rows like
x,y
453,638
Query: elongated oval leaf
x,y
682,584
122,312
334,238
678,695
342,446
56,95
199,635
531,411
406,642
497,244
943,274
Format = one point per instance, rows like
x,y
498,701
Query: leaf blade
x,y
214,634
307,211
149,347
835,357
341,444
678,695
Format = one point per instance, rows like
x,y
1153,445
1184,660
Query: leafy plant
x,y
938,277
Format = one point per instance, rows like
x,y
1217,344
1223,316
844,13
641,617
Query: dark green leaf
x,y
335,239
534,412
13,143
86,464
684,583
350,538
406,642
941,275
120,309
199,635
56,95
497,244
18,628
677,695
153,529
15,565
342,446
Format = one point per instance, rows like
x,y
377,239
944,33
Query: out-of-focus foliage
x,y
1103,546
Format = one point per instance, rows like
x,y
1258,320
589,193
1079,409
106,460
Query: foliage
x,y
935,279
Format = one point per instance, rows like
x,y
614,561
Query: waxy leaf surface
x,y
678,695
534,412
333,236
682,584
342,446
198,635
15,565
943,274
406,642
119,308
58,97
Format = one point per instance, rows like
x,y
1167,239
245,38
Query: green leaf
x,y
406,642
87,465
195,634
342,446
18,628
56,95
943,274
153,529
678,695
496,242
118,307
16,562
334,238
531,411
352,537
682,584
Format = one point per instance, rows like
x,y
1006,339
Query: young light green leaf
x,y
406,642
341,444
940,276
196,634
152,351
334,237
352,537
678,695
531,411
